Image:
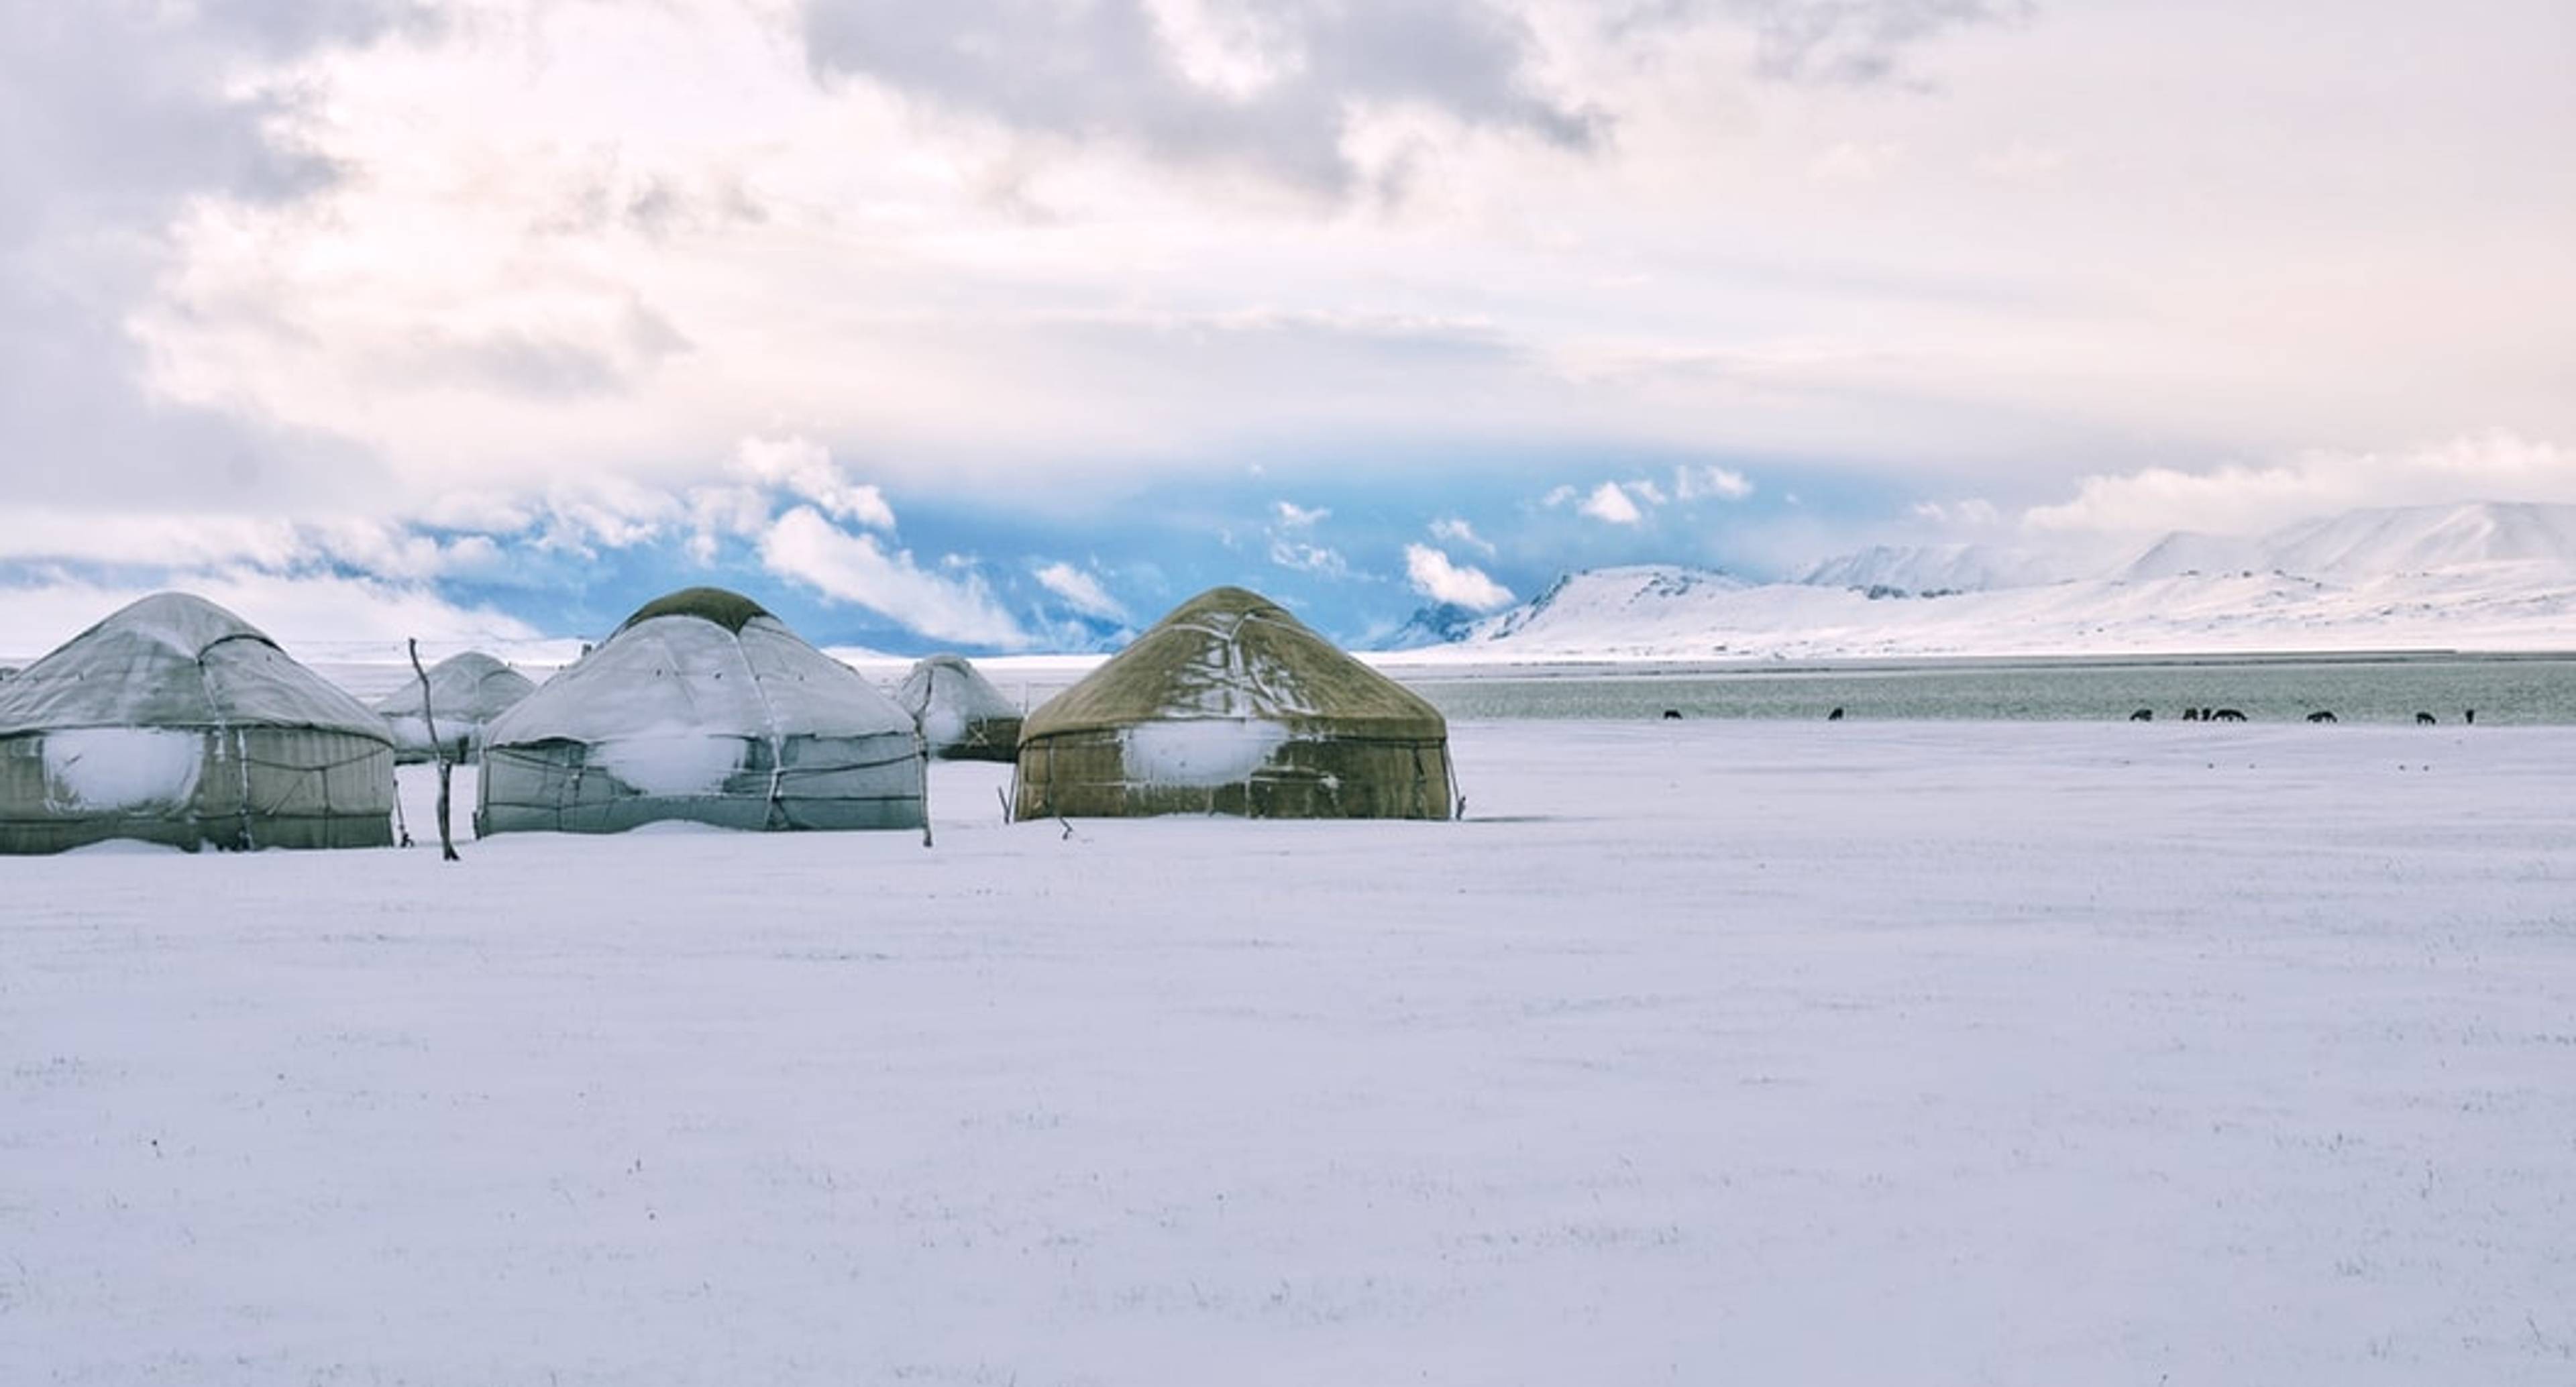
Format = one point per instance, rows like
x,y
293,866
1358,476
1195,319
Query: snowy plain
x,y
1702,1052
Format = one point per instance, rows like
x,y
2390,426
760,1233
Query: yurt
x,y
175,721
962,716
465,693
702,707
1229,705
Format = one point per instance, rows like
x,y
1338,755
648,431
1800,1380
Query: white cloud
x,y
1297,517
1726,484
146,539
1081,591
1455,530
2247,500
1975,512
1608,503
1557,496
603,512
2021,162
1308,558
855,568
1853,163
300,611
1644,489
720,512
1436,577
804,469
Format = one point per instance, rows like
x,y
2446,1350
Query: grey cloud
x,y
566,362
1839,41
1104,71
112,116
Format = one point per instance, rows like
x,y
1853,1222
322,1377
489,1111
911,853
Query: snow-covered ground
x,y
1700,1052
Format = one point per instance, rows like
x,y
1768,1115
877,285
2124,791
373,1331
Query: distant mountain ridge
x,y
1931,568
2490,575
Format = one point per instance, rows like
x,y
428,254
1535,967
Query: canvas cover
x,y
1230,705
465,693
702,707
176,721
962,716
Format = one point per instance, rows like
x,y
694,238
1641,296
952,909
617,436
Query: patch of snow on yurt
x,y
1200,751
943,724
121,768
673,762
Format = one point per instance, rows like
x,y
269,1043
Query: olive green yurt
x,y
962,716
175,721
702,707
465,693
1229,705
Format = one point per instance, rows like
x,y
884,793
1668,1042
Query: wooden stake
x,y
438,749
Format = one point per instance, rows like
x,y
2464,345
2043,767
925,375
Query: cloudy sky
x,y
1006,325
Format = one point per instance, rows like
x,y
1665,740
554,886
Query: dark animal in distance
x,y
2143,715
2191,715
1672,715
2227,715
1834,716
2321,717
2469,715
2425,719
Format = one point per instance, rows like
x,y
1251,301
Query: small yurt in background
x,y
962,716
465,693
702,707
175,721
1230,705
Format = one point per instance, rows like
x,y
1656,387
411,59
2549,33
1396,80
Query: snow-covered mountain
x,y
2470,577
1932,568
1609,603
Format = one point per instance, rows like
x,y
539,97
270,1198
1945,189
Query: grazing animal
x,y
2191,715
2469,715
2143,715
2321,717
2425,719
1834,716
1672,715
2227,715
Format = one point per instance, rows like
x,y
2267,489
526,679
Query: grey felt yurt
x,y
1229,705
465,693
175,721
702,707
962,716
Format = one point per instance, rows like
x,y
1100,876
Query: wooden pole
x,y
438,749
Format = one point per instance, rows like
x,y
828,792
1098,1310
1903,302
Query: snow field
x,y
1700,1052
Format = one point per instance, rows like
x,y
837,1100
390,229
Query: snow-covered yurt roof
x,y
173,660
1231,653
473,687
702,660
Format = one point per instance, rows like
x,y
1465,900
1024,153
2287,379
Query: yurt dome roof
x,y
1232,653
728,609
734,670
473,686
176,660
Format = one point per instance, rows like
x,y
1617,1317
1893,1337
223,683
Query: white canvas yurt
x,y
175,721
962,716
702,707
465,693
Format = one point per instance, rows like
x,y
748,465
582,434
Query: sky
x,y
1006,326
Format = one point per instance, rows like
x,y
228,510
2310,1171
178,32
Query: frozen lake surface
x,y
1711,1051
